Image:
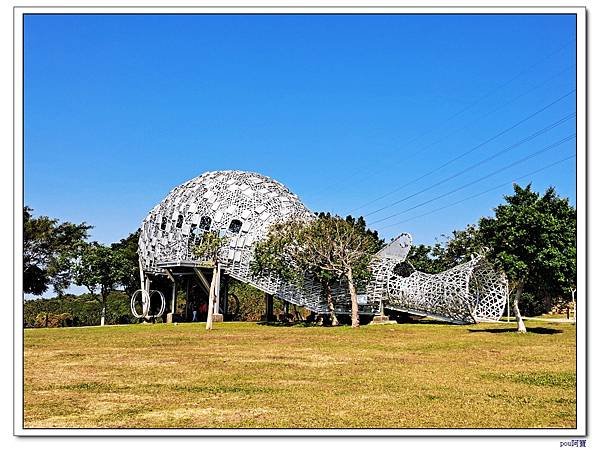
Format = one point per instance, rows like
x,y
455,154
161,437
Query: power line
x,y
456,130
531,155
480,193
471,150
483,161
479,99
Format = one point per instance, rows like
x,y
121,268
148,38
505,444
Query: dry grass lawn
x,y
243,375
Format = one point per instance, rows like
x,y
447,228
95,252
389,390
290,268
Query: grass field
x,y
418,375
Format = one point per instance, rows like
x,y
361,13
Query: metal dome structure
x,y
241,207
235,204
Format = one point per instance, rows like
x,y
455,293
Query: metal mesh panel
x,y
239,205
242,206
468,293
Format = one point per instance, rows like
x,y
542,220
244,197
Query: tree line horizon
x,y
531,237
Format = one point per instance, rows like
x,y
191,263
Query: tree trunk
x,y
353,299
330,307
521,327
297,316
211,299
103,314
574,304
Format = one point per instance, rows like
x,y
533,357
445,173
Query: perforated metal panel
x,y
239,205
242,206
468,293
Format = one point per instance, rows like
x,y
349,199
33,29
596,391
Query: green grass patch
x,y
554,379
244,375
244,390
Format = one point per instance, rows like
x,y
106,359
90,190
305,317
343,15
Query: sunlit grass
x,y
247,375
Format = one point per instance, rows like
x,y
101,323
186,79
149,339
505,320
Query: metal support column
x,y
187,300
141,274
268,307
224,291
173,296
174,293
217,289
217,316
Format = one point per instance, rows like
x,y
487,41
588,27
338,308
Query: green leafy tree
x,y
284,252
207,251
533,239
82,310
456,248
459,247
100,269
328,247
49,250
344,248
424,258
129,248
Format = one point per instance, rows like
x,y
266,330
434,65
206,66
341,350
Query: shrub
x,y
52,320
81,310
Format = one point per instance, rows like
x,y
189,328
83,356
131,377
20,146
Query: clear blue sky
x,y
342,109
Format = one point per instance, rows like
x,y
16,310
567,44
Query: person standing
x,y
204,310
194,312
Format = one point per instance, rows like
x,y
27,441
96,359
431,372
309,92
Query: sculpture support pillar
x,y
171,314
217,289
141,274
187,300
224,291
217,316
268,307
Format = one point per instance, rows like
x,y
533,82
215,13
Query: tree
x,y
423,258
100,268
129,247
49,249
344,248
533,239
208,251
284,253
459,247
455,249
328,247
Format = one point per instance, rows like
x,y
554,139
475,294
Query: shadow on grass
x,y
534,330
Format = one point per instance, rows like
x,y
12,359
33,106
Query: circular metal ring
x,y
162,304
145,303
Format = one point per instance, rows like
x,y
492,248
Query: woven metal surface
x,y
242,206
468,293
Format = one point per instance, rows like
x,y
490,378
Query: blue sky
x,y
343,109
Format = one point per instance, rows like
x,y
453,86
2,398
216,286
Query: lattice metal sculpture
x,y
238,205
468,293
242,206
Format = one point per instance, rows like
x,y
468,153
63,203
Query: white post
x,y
141,274
173,296
147,289
574,305
217,289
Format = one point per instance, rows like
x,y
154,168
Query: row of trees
x,y
77,310
58,254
